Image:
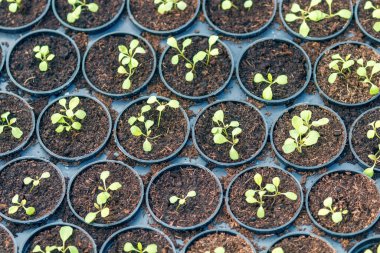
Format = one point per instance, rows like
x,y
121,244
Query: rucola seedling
x,y
267,92
17,205
165,6
162,106
14,5
8,123
151,248
182,201
336,217
78,7
37,181
68,119
65,233
371,134
375,14
217,250
345,64
228,4
367,79
44,55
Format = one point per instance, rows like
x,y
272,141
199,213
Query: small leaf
x,y
289,146
128,247
16,199
218,116
304,29
220,139
181,5
306,115
30,211
281,80
267,93
374,90
173,199
346,14
337,217
90,217
80,114
260,212
172,42
290,17
295,8
16,132
321,122
189,76
234,155
270,188
175,59
151,248
192,194
258,179
105,212
333,77
369,172
276,181
43,66
328,202
115,186
13,209
27,180
311,138
136,131
77,125
212,40
74,102
147,146
323,212
291,195
371,134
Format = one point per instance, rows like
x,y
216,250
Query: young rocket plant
x,y
340,66
267,92
17,205
228,4
77,7
374,68
14,5
375,158
217,250
8,123
259,196
375,14
370,251
336,217
165,6
65,233
308,15
44,55
37,181
302,135
278,250
151,248
162,106
182,201
67,119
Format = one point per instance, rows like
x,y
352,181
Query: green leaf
x,y
337,217
328,202
306,115
90,217
311,138
173,104
371,134
376,26
115,186
297,122
136,131
73,249
267,93
276,181
13,7
376,68
368,5
346,14
234,124
200,56
149,124
16,132
181,5
30,211
80,114
376,13
105,212
304,29
317,15
220,139
218,116
289,146
258,179
314,3
361,71
291,195
251,200
172,42
13,209
102,198
281,80
374,90
189,76
248,4
77,125
236,131
36,49
45,175
323,212
333,77
43,66
369,172
348,64
104,175
295,8
173,199
261,212
15,199
151,248
278,250
212,40
191,194
321,122
55,118
146,108
93,7
187,42
127,84
161,8
147,146
226,5
50,57
175,59
128,247
234,155
270,188
74,102
27,180
290,17
60,129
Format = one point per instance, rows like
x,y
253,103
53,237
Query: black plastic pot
x,y
49,92
116,95
327,231
300,167
167,83
365,244
3,56
163,33
122,149
240,35
293,33
316,68
357,19
108,243
103,225
279,101
79,158
92,29
273,230
173,167
11,236
46,216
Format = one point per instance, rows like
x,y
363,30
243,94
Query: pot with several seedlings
x,y
370,245
7,241
367,16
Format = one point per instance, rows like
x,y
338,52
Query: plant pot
x,y
366,244
3,55
23,49
104,43
369,32
89,182
80,142
290,208
7,238
218,80
186,176
164,32
240,34
316,152
281,60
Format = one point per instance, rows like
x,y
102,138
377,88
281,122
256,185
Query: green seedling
x,y
65,233
182,201
151,248
37,181
14,5
273,189
128,61
267,92
302,135
162,106
8,123
77,7
341,66
147,134
362,72
370,251
308,15
278,250
336,217
67,119
44,55
371,134
228,4
217,250
165,6
375,14
140,116
17,205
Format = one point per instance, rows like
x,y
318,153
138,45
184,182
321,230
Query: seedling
x,y
102,198
78,7
147,134
37,181
262,193
308,15
165,6
267,92
302,135
228,4
128,61
14,5
182,201
278,250
371,134
65,233
151,248
217,250
44,55
375,14
68,119
370,251
367,79
345,64
8,123
221,133
336,217
17,205
162,106
140,116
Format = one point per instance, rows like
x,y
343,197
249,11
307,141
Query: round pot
x,y
362,29
103,225
273,230
363,245
221,88
279,101
201,224
78,158
11,236
49,92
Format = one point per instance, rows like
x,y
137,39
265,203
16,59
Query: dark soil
x,y
332,137
108,9
353,192
250,140
122,202
366,19
172,132
102,64
278,211
146,14
29,11
179,182
23,113
240,20
6,242
324,27
347,90
24,66
207,79
44,198
277,58
76,143
303,243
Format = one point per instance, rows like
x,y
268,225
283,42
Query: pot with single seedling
x,y
274,71
163,17
308,136
316,20
105,193
343,203
238,18
128,63
152,129
7,241
43,62
88,15
367,16
192,205
370,245
264,199
74,128
196,66
31,190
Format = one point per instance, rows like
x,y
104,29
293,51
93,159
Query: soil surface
x,y
303,243
29,11
366,19
6,242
